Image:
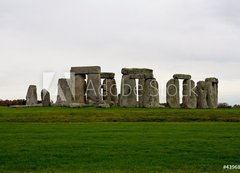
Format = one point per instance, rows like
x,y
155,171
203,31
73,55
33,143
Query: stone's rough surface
x,y
127,71
110,91
128,96
107,75
141,83
76,105
141,76
94,89
86,70
45,95
79,85
202,95
151,94
172,93
212,79
182,76
212,92
31,98
103,105
189,94
65,96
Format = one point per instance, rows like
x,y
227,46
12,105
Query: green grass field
x,y
32,140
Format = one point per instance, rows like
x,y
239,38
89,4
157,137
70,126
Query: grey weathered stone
x,y
76,105
151,94
45,95
31,98
189,94
172,93
141,83
86,70
110,91
212,79
212,92
141,76
202,95
105,75
94,89
128,96
103,105
182,76
127,71
79,85
65,91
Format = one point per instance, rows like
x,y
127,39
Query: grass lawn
x,y
91,114
120,140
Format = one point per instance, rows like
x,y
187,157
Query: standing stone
x,y
65,97
141,83
110,91
189,94
94,89
202,95
79,88
45,95
172,92
128,92
31,98
151,94
212,92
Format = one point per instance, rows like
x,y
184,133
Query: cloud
x,y
171,36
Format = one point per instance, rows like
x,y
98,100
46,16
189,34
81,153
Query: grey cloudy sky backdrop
x,y
199,37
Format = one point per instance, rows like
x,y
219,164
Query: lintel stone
x,y
182,76
86,70
127,71
106,75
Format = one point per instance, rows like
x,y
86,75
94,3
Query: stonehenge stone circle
x,y
31,98
88,86
45,96
173,97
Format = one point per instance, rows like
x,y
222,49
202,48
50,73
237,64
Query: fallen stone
x,y
182,76
31,98
103,105
86,70
77,105
127,71
107,75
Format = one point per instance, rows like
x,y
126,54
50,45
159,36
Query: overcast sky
x,y
197,37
